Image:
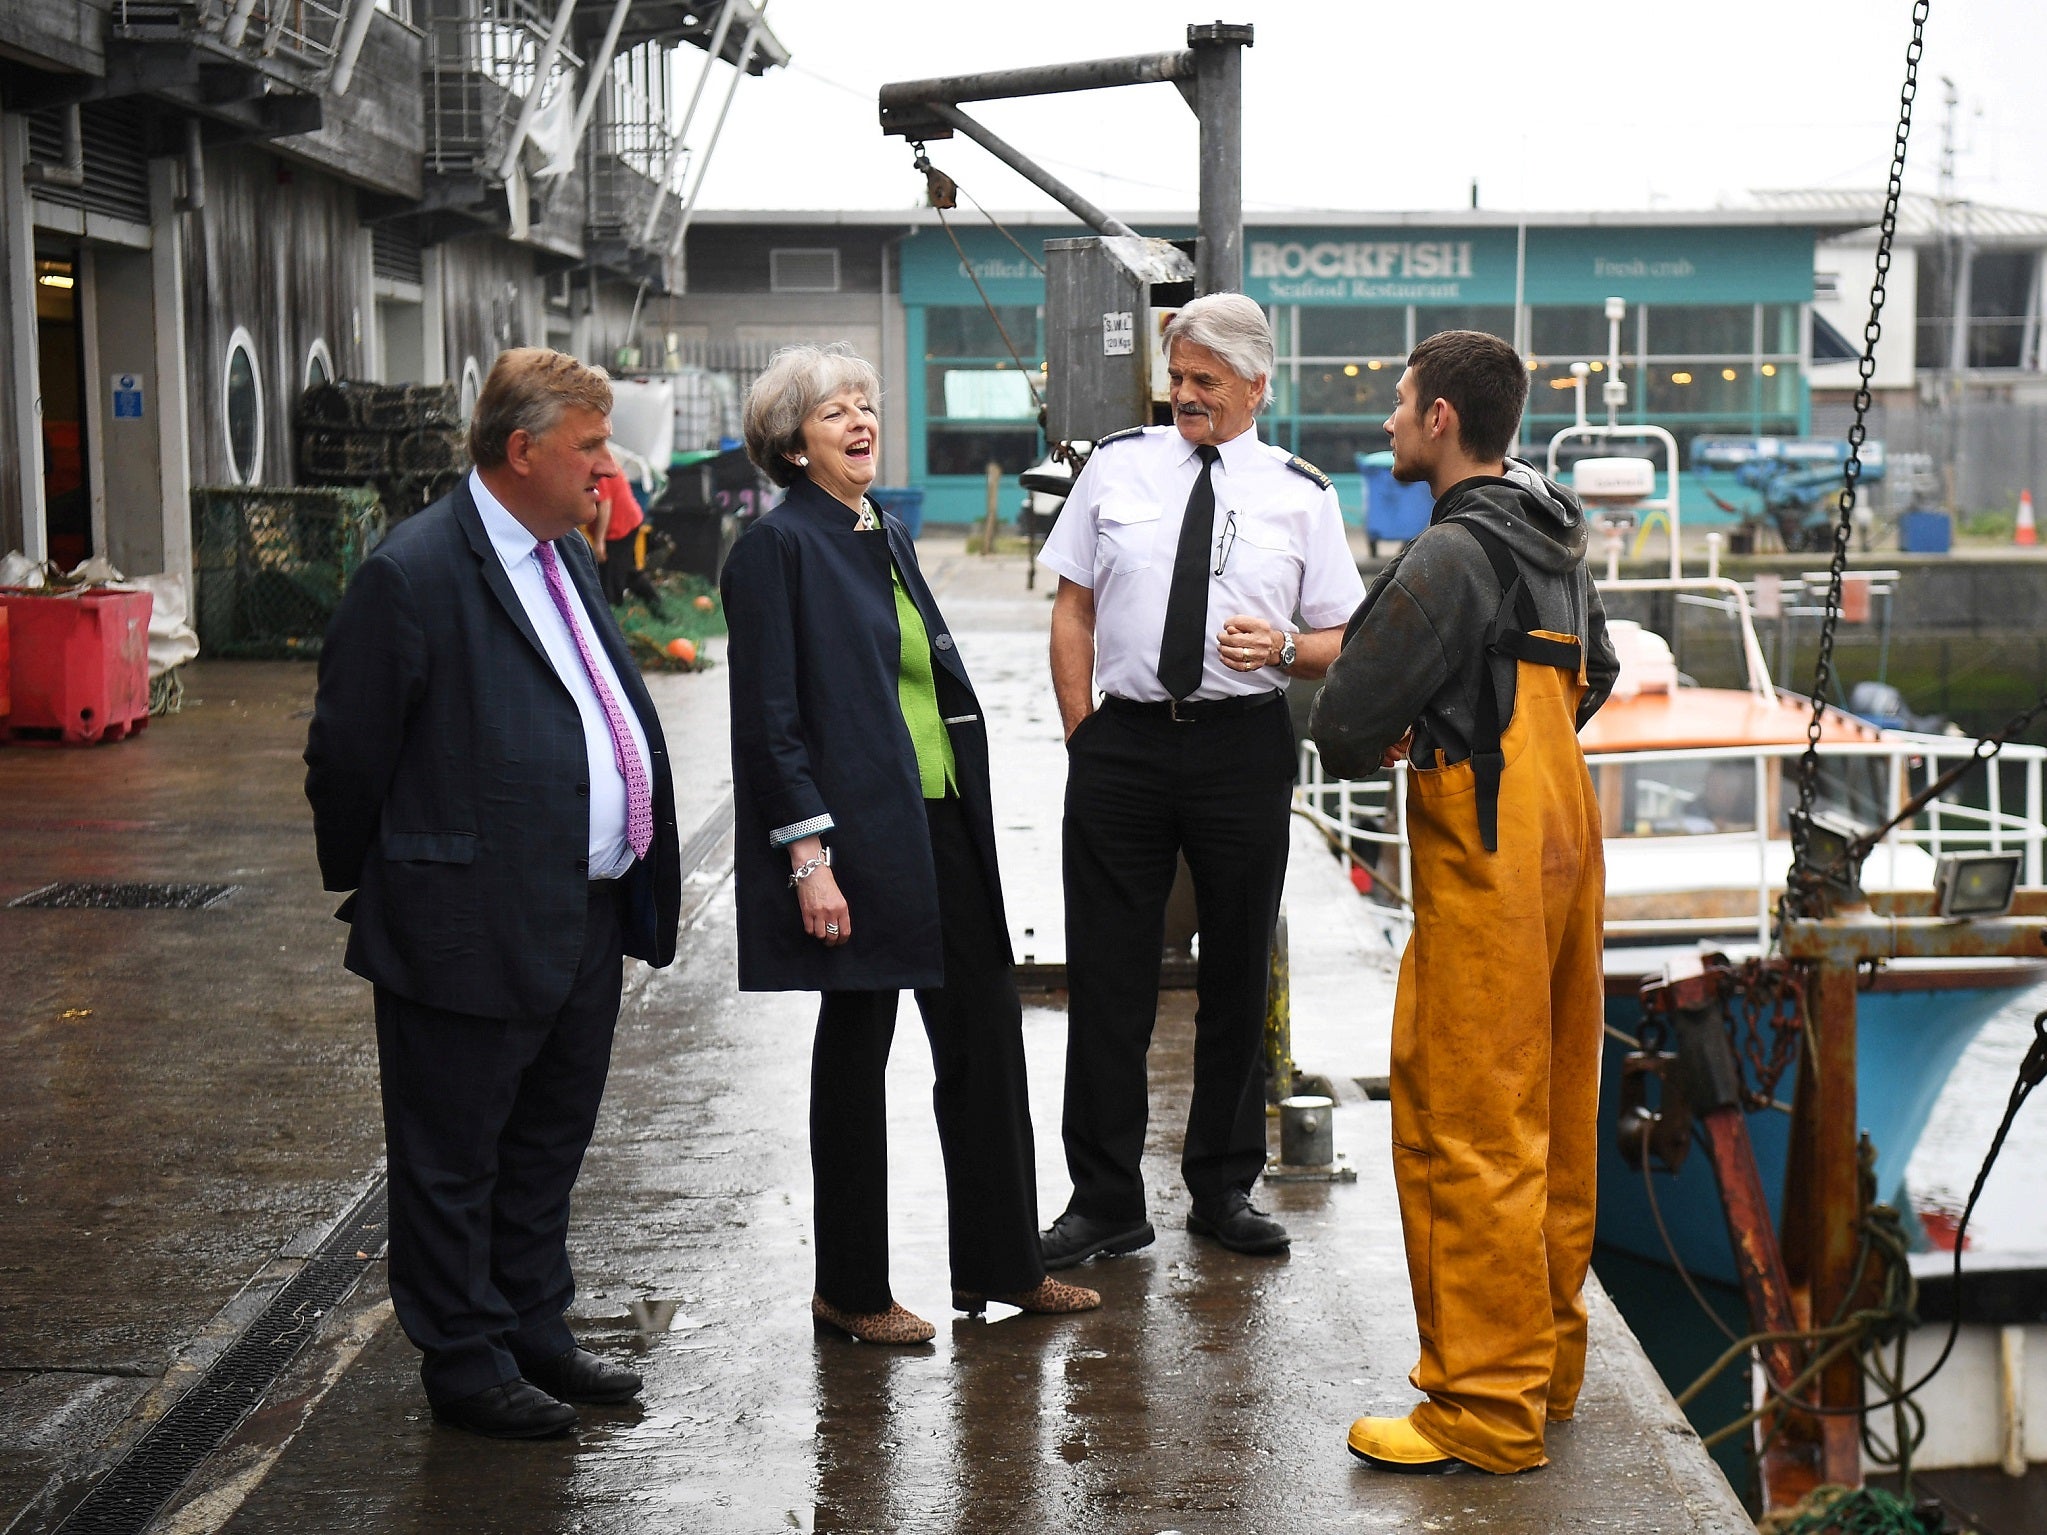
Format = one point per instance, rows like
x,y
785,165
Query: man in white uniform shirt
x,y
1186,555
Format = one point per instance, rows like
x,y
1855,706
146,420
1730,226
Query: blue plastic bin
x,y
904,502
1392,510
1925,532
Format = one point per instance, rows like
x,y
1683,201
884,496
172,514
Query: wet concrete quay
x,y
188,1099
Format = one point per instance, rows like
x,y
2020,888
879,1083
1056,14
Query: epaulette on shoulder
x,y
1128,431
1300,465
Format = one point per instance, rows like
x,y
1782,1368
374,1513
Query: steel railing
x,y
1373,812
482,60
302,31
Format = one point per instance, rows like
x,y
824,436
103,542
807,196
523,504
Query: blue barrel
x,y
904,502
1925,532
1392,510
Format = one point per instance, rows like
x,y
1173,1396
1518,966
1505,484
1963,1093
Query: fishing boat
x,y
1696,785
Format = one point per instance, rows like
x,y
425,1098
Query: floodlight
x,y
1834,850
1975,884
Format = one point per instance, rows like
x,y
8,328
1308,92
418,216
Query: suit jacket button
x,y
943,641
583,790
582,866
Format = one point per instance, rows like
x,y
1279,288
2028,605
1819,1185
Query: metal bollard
x,y
1307,1137
1279,1032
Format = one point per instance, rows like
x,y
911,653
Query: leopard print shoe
x,y
1049,1297
893,1326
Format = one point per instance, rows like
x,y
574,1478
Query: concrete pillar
x,y
22,524
172,410
434,320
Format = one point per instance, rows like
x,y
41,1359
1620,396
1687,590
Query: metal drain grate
x,y
76,895
164,1458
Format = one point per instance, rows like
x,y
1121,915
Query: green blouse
x,y
918,696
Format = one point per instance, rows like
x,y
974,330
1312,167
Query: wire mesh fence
x,y
270,564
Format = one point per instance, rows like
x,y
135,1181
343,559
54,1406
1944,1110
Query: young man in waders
x,y
1477,655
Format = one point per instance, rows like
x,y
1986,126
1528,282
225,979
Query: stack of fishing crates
x,y
405,441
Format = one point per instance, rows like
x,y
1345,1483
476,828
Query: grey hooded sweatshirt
x,y
1413,651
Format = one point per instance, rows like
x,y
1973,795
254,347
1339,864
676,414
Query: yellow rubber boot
x,y
1393,1444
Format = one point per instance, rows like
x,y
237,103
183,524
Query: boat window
x,y
1688,797
241,399
1848,786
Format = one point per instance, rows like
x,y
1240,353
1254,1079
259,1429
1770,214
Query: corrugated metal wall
x,y
274,251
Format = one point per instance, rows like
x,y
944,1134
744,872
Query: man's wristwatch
x,y
1286,652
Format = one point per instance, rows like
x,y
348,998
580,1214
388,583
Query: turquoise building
x,y
1719,336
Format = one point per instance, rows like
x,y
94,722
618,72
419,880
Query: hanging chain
x,y
1851,472
929,171
1766,1019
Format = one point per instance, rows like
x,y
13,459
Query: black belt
x,y
1194,710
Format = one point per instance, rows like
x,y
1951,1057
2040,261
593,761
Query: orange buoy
x,y
684,650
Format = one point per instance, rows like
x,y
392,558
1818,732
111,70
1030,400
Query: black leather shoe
x,y
1239,1227
580,1376
515,1410
1077,1238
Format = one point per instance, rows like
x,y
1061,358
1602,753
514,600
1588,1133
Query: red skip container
x,y
80,666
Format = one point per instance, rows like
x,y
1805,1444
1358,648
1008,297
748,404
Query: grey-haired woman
x,y
866,854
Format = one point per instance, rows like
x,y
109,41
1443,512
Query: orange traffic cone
x,y
2025,532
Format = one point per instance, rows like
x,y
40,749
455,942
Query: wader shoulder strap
x,y
1488,762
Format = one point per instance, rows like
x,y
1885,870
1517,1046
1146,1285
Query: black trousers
x,y
1140,791
486,1121
975,1024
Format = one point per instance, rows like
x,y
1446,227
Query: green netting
x,y
269,564
1838,1511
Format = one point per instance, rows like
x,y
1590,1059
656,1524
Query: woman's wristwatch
x,y
1286,652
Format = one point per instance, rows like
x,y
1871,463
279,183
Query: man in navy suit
x,y
488,777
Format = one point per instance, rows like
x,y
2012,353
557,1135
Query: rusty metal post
x,y
1833,1198
1279,1025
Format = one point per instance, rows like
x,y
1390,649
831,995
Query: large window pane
x,y
1333,446
1494,319
1347,389
1696,388
1780,392
978,394
1353,333
965,330
1677,330
952,450
1551,393
1570,331
1780,329
1995,343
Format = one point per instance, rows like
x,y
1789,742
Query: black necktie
x,y
1184,640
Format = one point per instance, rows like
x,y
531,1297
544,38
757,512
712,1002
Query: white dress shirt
x,y
1278,535
610,853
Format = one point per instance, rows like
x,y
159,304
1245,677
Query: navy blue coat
x,y
817,729
450,783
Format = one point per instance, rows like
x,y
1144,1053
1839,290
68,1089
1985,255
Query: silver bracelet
x,y
810,866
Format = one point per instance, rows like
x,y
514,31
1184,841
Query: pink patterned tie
x,y
639,799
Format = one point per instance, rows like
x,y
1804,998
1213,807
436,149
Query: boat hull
x,y
1908,1038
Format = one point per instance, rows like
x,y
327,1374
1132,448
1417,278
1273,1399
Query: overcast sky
x,y
1360,104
